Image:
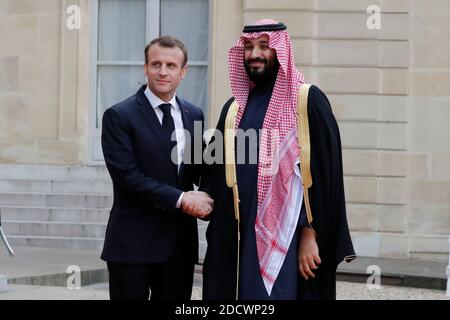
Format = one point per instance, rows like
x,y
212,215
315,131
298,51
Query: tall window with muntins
x,y
121,38
122,28
188,21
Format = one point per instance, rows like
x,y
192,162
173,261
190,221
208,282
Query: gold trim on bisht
x,y
230,174
304,146
230,165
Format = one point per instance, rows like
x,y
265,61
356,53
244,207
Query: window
x,y
121,30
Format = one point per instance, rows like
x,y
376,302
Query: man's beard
x,y
265,75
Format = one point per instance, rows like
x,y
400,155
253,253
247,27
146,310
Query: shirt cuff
x,y
178,205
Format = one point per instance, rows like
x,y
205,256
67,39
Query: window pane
x,y
188,21
194,87
116,83
121,30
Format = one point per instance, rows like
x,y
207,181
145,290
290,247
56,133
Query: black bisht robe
x,y
327,201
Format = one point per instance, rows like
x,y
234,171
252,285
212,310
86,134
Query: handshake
x,y
197,204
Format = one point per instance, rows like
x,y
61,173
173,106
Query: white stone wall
x,y
389,88
390,91
43,83
428,220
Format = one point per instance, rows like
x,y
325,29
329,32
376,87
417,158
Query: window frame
x,y
153,9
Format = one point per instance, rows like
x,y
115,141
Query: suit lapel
x,y
188,124
150,116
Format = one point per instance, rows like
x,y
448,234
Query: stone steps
x,y
55,229
71,200
56,242
202,245
49,173
24,213
59,206
56,186
55,206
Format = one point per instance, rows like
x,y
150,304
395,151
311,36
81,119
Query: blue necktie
x,y
169,127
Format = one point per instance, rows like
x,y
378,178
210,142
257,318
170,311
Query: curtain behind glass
x,y
188,21
116,83
121,40
121,30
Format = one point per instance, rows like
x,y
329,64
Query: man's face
x,y
260,61
164,70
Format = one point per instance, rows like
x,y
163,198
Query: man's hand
x,y
308,253
197,204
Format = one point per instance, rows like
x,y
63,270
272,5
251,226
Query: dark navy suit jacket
x,y
144,224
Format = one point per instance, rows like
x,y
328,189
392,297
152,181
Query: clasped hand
x,y
197,204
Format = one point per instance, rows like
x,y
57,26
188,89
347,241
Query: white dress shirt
x,y
175,111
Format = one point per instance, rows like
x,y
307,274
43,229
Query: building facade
x,y
64,61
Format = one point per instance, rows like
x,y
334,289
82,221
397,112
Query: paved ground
x,y
359,291
40,274
44,261
345,291
24,292
43,266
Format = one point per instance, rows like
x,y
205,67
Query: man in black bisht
x,y
290,244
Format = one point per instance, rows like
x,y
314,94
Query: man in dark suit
x,y
151,239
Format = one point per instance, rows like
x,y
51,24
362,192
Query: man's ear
x,y
145,69
184,71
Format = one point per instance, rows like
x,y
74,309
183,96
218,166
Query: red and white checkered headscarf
x,y
279,192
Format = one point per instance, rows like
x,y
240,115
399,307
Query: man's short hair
x,y
168,42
